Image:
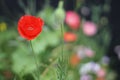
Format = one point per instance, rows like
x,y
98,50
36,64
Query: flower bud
x,y
59,13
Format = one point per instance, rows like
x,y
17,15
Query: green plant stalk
x,y
35,59
32,7
62,62
62,35
78,4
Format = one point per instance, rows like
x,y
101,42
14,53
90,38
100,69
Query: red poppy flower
x,y
30,26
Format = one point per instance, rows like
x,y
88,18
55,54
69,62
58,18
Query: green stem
x,y
78,4
35,59
62,35
62,61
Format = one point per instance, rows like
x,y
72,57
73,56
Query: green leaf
x,y
23,63
52,38
39,46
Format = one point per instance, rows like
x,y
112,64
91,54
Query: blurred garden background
x,y
90,34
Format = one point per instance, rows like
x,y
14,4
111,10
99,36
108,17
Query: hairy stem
x,y
35,59
62,62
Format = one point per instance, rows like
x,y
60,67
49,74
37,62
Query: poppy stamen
x,y
30,28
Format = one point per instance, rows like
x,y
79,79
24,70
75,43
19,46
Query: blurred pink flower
x,y
101,73
83,52
72,20
89,52
89,28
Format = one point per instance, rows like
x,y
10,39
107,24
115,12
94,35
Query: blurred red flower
x,y
100,78
74,60
70,37
30,26
72,20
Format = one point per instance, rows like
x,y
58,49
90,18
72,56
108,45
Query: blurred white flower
x,y
86,77
89,67
117,49
105,60
85,11
80,50
96,67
